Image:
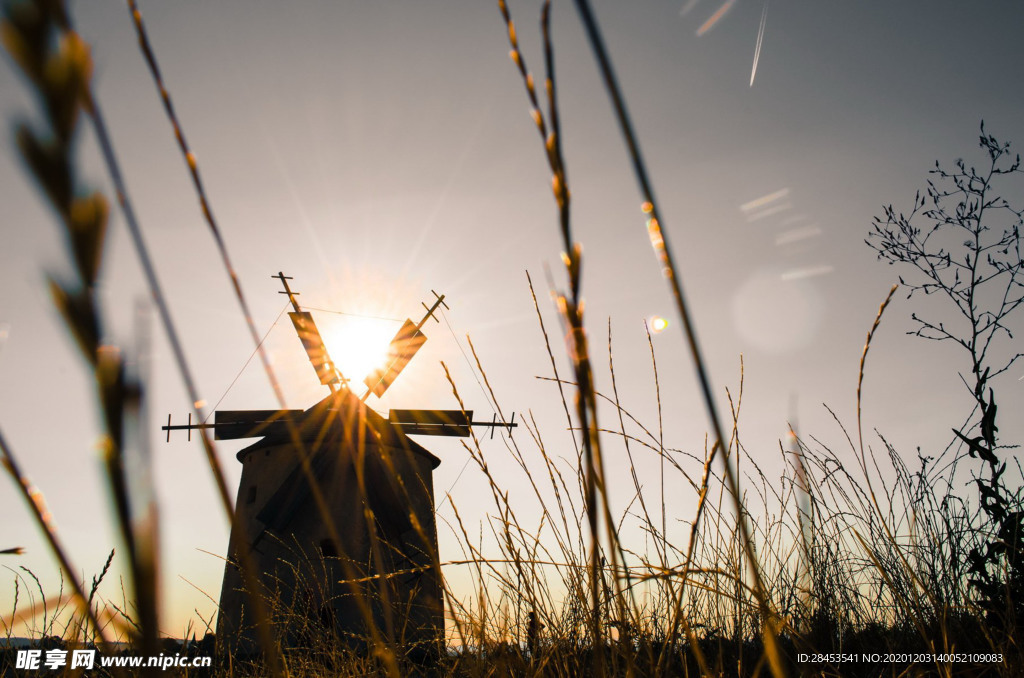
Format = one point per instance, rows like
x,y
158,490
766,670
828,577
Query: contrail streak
x,y
760,40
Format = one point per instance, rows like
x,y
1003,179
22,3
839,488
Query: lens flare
x,y
797,234
807,272
690,4
714,19
657,324
766,205
778,315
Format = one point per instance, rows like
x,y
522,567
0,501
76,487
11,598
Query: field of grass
x,y
860,560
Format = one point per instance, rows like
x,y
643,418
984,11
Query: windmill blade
x,y
232,424
432,422
315,349
403,347
443,422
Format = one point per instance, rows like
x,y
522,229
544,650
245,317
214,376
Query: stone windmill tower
x,y
336,506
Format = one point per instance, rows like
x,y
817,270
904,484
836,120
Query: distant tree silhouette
x,y
962,240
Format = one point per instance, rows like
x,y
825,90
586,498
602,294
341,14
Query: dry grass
x,y
828,558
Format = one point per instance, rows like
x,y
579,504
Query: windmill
x,y
376,551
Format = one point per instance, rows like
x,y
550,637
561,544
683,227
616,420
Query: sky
x,y
378,151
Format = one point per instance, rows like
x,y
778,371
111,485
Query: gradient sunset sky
x,y
378,151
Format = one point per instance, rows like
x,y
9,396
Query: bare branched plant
x,y
962,242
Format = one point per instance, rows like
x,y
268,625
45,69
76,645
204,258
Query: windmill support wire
x,y
487,397
248,360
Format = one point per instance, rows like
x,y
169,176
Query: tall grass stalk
x,y
663,252
382,643
825,558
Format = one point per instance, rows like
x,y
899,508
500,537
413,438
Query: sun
x,y
357,345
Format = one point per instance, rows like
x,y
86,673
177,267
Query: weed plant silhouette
x,y
881,555
962,239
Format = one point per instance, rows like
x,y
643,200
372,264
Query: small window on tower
x,y
252,495
327,549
